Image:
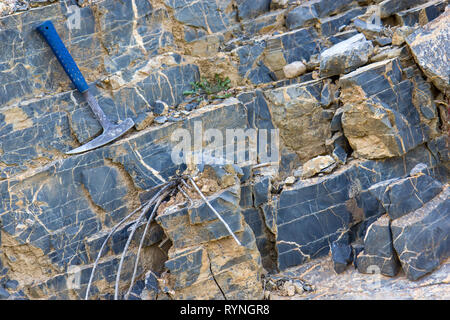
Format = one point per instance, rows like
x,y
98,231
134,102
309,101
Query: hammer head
x,y
110,133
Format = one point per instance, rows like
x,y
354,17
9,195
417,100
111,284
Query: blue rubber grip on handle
x,y
50,35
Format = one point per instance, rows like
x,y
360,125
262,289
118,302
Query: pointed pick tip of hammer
x,y
108,135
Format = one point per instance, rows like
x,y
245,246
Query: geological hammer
x,y
110,131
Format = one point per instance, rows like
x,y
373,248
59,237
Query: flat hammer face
x,y
110,131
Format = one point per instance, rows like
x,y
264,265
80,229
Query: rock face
x,y
421,237
345,56
297,112
204,261
380,118
430,46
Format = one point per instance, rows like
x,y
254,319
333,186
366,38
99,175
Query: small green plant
x,y
205,89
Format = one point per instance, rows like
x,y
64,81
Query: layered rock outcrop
x,y
361,168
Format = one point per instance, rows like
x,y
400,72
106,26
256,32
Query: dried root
x,y
166,189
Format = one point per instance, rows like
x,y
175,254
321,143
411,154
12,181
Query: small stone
x,y
160,108
190,106
340,154
298,285
144,120
298,173
336,122
289,181
3,293
383,41
294,69
308,288
418,169
11,284
289,288
279,3
342,256
316,165
161,119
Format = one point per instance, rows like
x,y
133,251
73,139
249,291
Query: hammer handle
x,y
50,35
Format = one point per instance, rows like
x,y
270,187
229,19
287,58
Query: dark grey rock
x,y
3,293
341,254
255,220
357,248
327,96
202,222
261,190
340,154
310,216
301,16
419,168
246,200
252,8
258,110
161,119
439,148
379,255
341,36
325,8
421,237
383,41
160,108
11,284
204,14
421,14
336,123
429,46
191,106
389,7
331,25
402,196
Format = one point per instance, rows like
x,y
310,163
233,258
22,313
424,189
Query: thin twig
x,y
185,184
214,210
142,242
122,258
265,164
186,196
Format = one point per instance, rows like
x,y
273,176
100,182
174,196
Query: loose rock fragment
x,y
294,69
345,56
316,165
